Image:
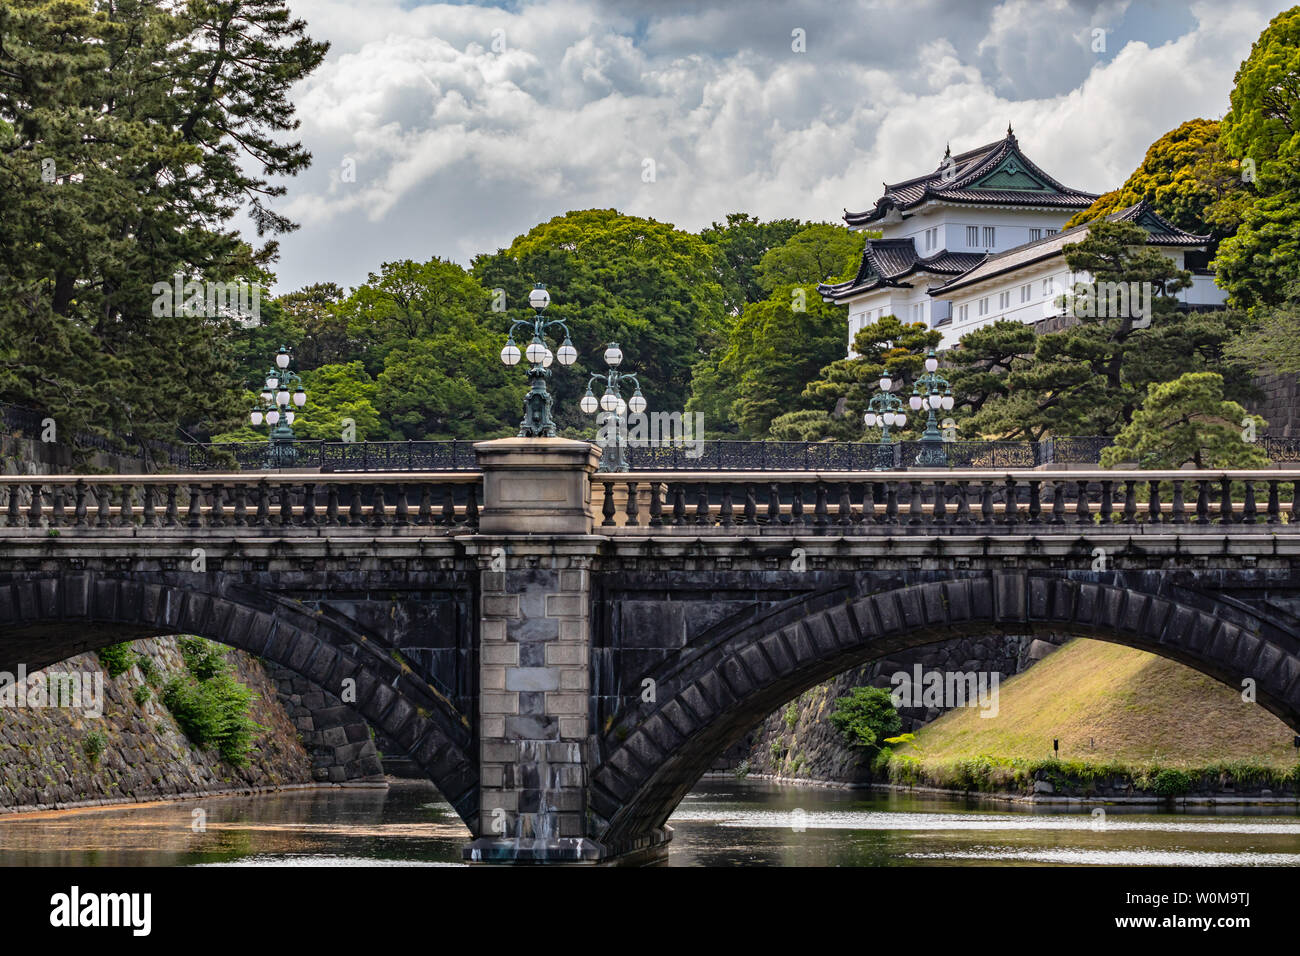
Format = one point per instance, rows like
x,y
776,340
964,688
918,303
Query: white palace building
x,y
979,239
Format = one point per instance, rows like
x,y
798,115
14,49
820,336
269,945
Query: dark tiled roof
x,y
886,261
995,174
1161,233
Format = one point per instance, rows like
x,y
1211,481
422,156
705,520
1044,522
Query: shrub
x,y
214,712
142,694
203,659
1171,783
94,745
791,716
148,668
866,716
116,658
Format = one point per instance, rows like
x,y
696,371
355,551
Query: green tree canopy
x,y
644,284
1184,173
133,133
1088,378
739,246
1188,420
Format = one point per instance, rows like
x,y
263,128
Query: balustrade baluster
x,y
1274,510
241,505
195,510
633,512
286,505
79,509
702,516
58,517
1225,502
1058,502
891,502
378,507
263,518
986,502
607,506
796,504
425,515
401,520
724,511
869,513
1035,502
656,505
34,511
751,505
915,505
1202,501
963,503
448,507
821,513
679,503
356,516
844,510
1082,513
15,506
1178,507
471,507
773,503
1295,502
1130,502
1011,511
1107,510
1248,510
171,515
1154,515
217,514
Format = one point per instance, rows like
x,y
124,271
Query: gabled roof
x,y
995,174
885,262
1161,233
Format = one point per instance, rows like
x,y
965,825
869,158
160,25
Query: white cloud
x,y
459,146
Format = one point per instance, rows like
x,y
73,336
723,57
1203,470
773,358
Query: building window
x,y
1035,235
1048,286
988,237
963,311
972,236
984,306
1051,232
1026,291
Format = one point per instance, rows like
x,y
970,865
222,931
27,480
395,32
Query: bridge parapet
x,y
312,504
948,502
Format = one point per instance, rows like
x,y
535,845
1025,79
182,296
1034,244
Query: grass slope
x,y
1108,703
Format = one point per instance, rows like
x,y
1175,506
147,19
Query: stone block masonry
x,y
533,706
339,741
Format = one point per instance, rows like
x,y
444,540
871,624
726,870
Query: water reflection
x,y
724,822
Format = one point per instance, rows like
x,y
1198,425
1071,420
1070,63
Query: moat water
x,y
722,822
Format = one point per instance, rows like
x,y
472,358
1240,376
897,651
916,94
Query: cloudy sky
x,y
449,128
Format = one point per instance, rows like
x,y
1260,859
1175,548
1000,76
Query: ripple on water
x,y
1130,857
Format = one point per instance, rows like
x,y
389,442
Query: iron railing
x,y
735,456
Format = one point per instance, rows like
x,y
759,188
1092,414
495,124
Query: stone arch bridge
x,y
564,652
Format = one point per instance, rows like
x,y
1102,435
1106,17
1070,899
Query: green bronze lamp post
x,y
614,407
281,394
883,410
537,421
931,392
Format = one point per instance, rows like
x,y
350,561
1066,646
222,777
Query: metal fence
x,y
329,457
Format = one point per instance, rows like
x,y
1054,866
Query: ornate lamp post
x,y
281,394
931,392
614,407
537,405
885,409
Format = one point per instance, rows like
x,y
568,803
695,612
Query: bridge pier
x,y
535,552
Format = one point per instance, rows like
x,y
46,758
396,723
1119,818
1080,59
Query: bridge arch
x,y
48,617
712,694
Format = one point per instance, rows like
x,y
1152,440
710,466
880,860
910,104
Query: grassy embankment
x,y
1118,713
